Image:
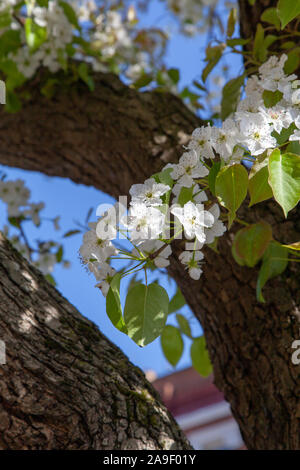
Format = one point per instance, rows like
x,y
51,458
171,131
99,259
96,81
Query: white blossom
x,y
144,222
148,193
193,218
191,259
188,168
201,142
150,246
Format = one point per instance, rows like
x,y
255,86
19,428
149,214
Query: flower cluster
x,y
252,128
174,202
48,38
20,211
148,223
57,33
192,14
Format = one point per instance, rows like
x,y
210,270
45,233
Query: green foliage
x,y
271,98
231,22
143,81
59,254
174,75
230,96
231,188
215,168
250,243
270,15
259,188
35,35
177,302
83,72
10,41
184,325
287,11
113,304
70,14
258,45
293,60
274,263
213,55
200,357
145,312
284,179
172,344
185,195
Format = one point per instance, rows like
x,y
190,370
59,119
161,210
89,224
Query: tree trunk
x,y
64,385
250,343
116,137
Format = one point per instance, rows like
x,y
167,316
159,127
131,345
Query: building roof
x,y
185,391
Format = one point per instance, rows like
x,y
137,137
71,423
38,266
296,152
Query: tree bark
x,y
116,137
64,385
108,139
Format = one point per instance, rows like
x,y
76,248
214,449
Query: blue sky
x,y
70,201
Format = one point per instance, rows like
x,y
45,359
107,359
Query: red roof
x,y
185,391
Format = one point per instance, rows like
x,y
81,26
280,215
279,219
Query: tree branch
x,y
109,139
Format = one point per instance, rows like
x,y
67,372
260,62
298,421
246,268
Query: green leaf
x,y
213,55
5,18
284,178
70,13
143,81
271,98
293,61
287,11
250,243
184,325
270,16
231,22
113,304
164,177
274,263
13,103
174,75
258,46
50,279
177,302
259,188
284,135
230,96
293,147
83,72
145,312
215,168
237,42
59,254
35,35
231,188
200,358
10,41
48,89
172,344
185,195
70,233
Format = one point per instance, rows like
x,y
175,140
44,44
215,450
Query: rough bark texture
x,y
65,386
116,137
107,139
